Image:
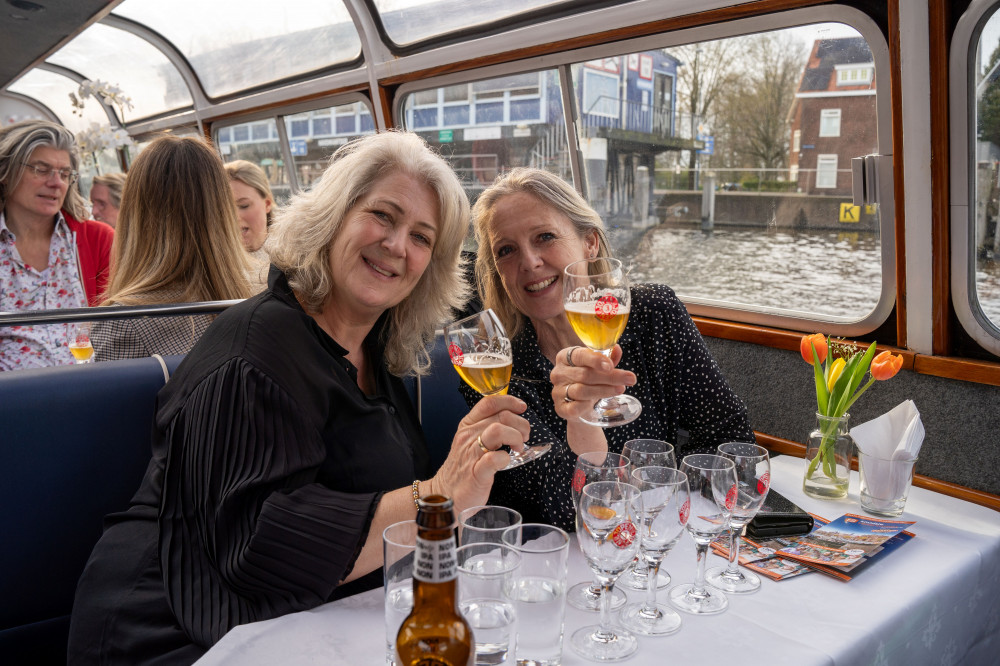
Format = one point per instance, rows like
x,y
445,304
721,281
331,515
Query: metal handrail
x,y
30,317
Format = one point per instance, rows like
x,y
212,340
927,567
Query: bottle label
x,y
435,561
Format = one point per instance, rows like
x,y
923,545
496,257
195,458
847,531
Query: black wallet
x,y
779,517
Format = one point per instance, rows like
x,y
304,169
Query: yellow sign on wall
x,y
850,213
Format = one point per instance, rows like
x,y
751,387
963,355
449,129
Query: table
x,y
934,601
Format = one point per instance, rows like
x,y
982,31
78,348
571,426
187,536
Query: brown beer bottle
x,y
435,633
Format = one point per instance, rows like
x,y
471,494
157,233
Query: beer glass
x,y
596,299
646,453
78,335
480,351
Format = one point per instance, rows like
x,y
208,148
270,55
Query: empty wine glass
x,y
480,352
646,453
753,478
78,340
664,492
606,530
590,467
597,302
712,486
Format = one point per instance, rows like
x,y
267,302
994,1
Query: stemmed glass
x,y
664,492
78,335
753,477
591,467
480,351
712,485
597,300
646,453
606,530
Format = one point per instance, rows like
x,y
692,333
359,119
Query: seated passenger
x,y
254,204
177,242
53,257
530,225
286,442
106,197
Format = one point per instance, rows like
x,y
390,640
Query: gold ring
x,y
569,360
479,441
566,398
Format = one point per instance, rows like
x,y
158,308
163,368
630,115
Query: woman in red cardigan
x,y
51,256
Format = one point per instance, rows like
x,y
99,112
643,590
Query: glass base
x,y
708,602
638,580
741,582
591,643
534,452
612,412
582,596
661,623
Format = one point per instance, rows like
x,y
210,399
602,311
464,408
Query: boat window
x,y
257,142
53,91
240,44
314,135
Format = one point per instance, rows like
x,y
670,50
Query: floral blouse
x,y
685,401
23,287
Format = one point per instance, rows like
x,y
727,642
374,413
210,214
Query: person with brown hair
x,y
106,197
53,257
255,207
177,242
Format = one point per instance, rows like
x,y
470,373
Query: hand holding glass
x,y
480,352
753,478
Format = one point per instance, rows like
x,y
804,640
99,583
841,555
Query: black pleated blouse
x,y
268,464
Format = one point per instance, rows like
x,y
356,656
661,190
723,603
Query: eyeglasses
x,y
43,170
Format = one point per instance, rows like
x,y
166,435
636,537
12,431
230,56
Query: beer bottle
x,y
435,633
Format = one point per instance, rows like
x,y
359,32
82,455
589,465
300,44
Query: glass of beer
x,y
480,351
78,335
596,299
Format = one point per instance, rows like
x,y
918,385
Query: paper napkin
x,y
886,445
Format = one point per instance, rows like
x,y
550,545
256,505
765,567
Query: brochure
x,y
758,555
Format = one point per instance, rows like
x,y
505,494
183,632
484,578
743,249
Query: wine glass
x,y
646,453
664,492
753,477
606,530
712,486
480,351
596,299
78,336
590,467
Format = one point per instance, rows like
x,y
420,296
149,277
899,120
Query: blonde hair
x,y
550,190
177,228
252,176
114,182
18,142
300,239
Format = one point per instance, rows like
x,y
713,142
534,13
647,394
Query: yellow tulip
x,y
835,370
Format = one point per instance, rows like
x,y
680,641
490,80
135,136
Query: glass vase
x,y
828,458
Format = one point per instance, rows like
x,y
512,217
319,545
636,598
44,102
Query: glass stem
x,y
734,552
604,633
699,582
652,574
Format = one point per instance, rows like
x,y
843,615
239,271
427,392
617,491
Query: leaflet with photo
x,y
848,573
845,542
759,555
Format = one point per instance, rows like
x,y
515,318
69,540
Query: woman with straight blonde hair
x,y
177,241
255,207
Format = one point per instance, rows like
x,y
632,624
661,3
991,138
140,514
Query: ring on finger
x,y
569,359
479,441
566,397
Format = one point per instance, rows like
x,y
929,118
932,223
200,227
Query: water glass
x,y
885,483
485,589
399,543
487,524
539,592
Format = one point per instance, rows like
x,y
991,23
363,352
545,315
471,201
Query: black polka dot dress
x,y
685,401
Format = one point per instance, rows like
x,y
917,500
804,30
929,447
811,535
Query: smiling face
x,y
382,248
35,198
532,243
252,208
103,209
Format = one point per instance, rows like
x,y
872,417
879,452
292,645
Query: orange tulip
x,y
818,341
886,365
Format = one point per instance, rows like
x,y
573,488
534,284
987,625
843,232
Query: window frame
x,y
826,171
829,123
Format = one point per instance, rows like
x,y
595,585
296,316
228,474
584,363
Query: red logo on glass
x,y
684,512
606,307
579,478
731,497
763,483
624,535
457,358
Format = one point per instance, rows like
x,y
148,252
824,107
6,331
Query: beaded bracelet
x,y
416,492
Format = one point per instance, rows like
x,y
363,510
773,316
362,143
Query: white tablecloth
x,y
936,600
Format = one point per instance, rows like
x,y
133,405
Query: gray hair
x,y
114,182
552,191
300,238
19,141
